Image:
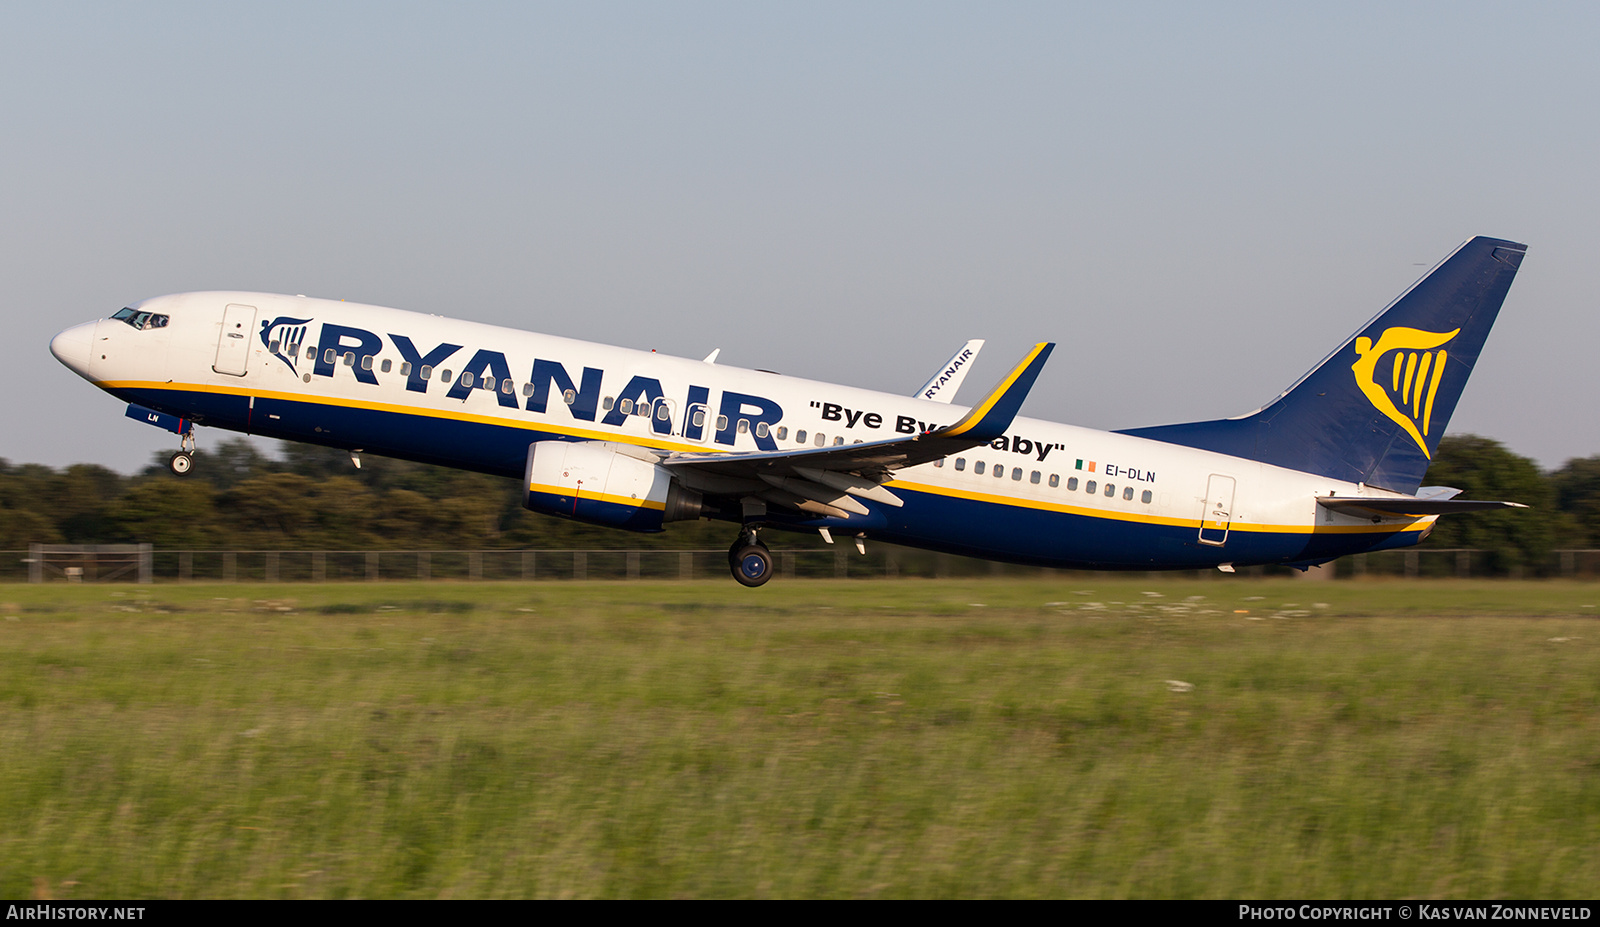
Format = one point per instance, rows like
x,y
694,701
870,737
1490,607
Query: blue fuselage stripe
x,y
971,527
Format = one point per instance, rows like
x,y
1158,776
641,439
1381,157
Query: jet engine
x,y
608,484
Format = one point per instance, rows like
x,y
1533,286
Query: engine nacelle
x,y
608,484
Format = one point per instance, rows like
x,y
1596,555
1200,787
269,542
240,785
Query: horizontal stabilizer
x,y
1361,505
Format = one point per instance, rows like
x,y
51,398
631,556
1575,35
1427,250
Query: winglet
x,y
990,418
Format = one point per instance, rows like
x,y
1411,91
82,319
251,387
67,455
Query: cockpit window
x,y
140,320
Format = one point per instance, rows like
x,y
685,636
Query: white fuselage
x,y
351,376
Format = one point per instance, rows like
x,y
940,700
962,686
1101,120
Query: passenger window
x,y
426,373
961,464
722,423
699,418
505,385
466,379
607,403
1000,471
977,467
488,382
644,409
1055,480
1034,477
567,396
1072,484
838,441
664,412
527,389
1090,487
761,429
821,439
330,356
1016,474
627,407
272,346
939,462
744,426
366,362
405,368
783,432
387,365
311,354
1127,494
1111,490
444,377
349,358
1145,497
800,436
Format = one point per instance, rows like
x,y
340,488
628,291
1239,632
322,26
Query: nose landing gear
x,y
749,560
181,463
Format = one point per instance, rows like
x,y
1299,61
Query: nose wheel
x,y
181,463
750,561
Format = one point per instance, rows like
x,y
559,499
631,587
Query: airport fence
x,y
143,563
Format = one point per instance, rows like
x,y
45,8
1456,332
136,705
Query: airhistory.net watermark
x,y
61,912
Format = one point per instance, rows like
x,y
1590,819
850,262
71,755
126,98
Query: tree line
x,y
315,498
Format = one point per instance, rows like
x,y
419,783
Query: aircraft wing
x,y
823,480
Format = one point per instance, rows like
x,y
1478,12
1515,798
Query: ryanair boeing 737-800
x,y
635,439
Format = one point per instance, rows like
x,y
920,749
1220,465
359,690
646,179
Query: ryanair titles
x,y
549,381
582,391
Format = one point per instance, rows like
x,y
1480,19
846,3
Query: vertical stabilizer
x,y
1375,409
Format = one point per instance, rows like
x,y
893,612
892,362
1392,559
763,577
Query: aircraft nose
x,y
72,347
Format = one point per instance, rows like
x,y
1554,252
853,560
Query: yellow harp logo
x,y
1414,379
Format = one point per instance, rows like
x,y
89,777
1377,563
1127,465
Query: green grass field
x,y
1074,737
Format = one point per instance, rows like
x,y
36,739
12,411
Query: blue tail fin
x,y
1374,410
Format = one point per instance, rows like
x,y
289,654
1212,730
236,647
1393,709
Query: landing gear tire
x,y
180,463
751,564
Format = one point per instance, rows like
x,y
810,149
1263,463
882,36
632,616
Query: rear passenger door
x,y
1218,513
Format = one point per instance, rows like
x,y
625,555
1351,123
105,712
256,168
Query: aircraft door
x,y
233,344
1218,511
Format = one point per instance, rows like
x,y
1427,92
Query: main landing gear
x,y
182,462
749,559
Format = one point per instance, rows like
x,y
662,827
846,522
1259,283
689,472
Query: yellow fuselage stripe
x,y
948,492
397,409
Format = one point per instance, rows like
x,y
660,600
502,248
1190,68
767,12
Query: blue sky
x,y
1197,201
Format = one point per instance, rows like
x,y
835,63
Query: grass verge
x,y
1076,737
